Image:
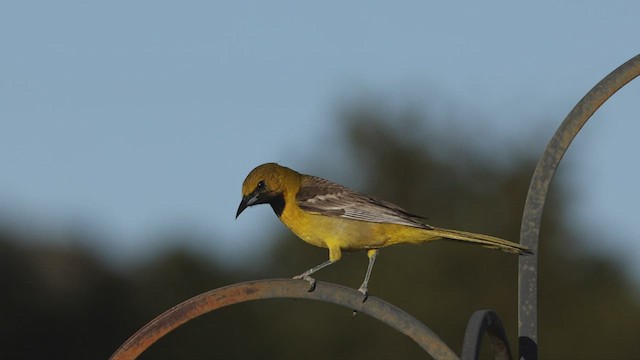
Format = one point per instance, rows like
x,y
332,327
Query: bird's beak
x,y
247,201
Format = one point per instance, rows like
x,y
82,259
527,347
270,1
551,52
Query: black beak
x,y
247,201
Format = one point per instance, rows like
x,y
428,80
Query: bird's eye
x,y
260,185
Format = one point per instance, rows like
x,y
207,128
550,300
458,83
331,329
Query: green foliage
x,y
64,303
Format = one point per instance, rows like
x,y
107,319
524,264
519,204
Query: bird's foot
x,y
309,279
365,292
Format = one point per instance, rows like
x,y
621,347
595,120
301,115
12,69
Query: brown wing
x,y
324,197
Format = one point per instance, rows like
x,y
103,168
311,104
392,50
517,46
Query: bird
x,y
332,216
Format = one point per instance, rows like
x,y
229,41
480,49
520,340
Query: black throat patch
x,y
277,204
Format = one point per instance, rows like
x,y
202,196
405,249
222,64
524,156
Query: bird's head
x,y
266,183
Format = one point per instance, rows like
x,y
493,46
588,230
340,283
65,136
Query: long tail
x,y
483,240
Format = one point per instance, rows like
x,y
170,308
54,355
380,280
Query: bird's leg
x,y
312,281
372,259
334,255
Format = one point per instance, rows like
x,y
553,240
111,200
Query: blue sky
x,y
137,118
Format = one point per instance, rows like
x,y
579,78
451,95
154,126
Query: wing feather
x,y
320,196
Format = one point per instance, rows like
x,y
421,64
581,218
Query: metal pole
x,y
532,215
276,289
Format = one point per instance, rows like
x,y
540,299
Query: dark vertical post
x,y
532,215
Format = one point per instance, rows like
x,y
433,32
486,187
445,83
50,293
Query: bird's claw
x,y
364,292
309,279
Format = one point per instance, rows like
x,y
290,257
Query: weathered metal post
x,y
532,215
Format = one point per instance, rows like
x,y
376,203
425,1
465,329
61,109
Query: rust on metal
x,y
532,215
282,288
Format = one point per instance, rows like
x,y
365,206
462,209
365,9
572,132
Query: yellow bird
x,y
331,216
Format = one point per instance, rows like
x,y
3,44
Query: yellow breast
x,y
328,231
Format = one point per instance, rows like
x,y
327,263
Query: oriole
x,y
331,216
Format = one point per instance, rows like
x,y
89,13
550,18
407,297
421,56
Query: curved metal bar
x,y
481,321
282,288
532,215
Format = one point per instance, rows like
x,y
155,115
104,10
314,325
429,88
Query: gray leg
x,y
312,281
372,259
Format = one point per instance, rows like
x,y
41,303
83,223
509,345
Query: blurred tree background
x,y
66,302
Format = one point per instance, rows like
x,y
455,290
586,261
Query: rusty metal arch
x,y
480,322
277,289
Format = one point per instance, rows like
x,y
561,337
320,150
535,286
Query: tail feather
x,y
483,240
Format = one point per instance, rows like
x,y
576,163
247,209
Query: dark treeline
x,y
66,303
